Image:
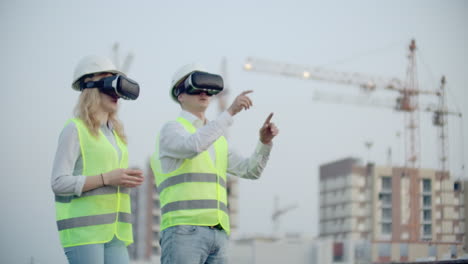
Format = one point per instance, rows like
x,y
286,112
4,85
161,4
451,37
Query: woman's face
x,y
108,102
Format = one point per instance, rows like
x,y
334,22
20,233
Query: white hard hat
x,y
181,73
92,64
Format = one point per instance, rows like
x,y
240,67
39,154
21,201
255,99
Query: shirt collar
x,y
108,125
194,120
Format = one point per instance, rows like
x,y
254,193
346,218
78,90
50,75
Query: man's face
x,y
195,102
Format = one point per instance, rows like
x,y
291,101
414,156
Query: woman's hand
x,y
123,177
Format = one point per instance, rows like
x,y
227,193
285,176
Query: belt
x,y
218,226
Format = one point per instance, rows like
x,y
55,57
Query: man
x,y
190,165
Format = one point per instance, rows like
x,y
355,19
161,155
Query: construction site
x,y
368,213
370,98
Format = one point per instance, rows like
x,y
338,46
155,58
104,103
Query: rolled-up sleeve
x,y
251,167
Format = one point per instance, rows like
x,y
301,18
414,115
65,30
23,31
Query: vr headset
x,y
116,85
198,82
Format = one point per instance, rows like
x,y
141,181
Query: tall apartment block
x,y
146,211
404,214
146,219
233,203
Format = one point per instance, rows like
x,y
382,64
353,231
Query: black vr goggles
x,y
116,85
198,82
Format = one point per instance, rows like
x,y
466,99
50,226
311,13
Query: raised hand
x,y
268,131
124,177
242,101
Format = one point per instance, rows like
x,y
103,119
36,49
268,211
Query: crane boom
x,y
407,101
365,81
365,100
357,100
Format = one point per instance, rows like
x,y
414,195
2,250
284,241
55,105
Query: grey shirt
x,y
67,178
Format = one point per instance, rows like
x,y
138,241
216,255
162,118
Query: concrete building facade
x,y
405,214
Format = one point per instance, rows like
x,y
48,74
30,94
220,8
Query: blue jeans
x,y
186,244
112,252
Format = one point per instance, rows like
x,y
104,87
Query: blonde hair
x,y
87,108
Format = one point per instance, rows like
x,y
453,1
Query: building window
x,y
386,198
338,252
427,188
427,208
403,250
156,236
432,251
362,252
156,220
427,201
156,251
427,230
157,204
387,214
453,251
387,183
427,215
385,250
386,228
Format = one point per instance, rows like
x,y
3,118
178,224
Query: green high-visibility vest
x,y
195,193
99,214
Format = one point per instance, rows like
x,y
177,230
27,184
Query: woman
x,y
90,176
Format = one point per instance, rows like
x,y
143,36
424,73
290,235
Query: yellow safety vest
x,y
99,214
195,193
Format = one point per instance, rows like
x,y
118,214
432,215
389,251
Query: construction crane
x,y
439,119
232,182
223,95
125,65
407,100
277,212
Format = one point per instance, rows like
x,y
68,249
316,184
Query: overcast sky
x,y
41,41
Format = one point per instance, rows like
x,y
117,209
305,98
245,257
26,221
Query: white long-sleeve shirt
x,y
176,144
67,178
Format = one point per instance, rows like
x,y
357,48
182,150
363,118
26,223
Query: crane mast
x,y
440,120
409,103
232,182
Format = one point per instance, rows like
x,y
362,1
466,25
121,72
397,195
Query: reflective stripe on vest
x,y
102,213
190,177
195,193
194,204
93,220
